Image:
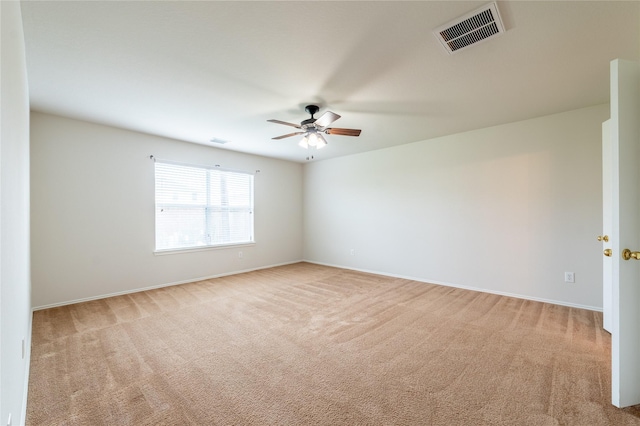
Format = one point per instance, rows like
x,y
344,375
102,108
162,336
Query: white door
x,y
607,226
625,137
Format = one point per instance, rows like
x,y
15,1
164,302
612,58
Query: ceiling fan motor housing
x,y
305,124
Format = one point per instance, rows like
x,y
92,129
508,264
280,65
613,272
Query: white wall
x,y
506,209
93,212
15,304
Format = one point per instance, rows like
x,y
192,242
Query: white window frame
x,y
209,208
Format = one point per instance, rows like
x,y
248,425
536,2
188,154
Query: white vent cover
x,y
472,28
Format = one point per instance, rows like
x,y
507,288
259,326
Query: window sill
x,y
202,248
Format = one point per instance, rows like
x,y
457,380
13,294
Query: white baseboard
x,y
464,287
446,284
137,290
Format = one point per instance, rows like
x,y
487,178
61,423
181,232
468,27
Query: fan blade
x,y
297,126
343,132
325,119
289,135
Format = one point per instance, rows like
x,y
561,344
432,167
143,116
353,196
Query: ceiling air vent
x,y
218,141
470,29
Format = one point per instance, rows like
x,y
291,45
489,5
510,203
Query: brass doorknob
x,y
628,254
604,238
607,252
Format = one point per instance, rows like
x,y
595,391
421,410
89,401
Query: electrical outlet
x,y
353,252
240,255
569,277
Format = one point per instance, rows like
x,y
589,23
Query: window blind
x,y
198,206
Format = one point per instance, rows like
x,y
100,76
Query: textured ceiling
x,y
198,70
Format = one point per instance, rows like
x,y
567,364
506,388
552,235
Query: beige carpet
x,y
310,345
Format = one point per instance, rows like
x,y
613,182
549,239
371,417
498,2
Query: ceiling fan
x,y
313,128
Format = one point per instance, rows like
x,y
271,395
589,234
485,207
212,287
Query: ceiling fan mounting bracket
x,y
312,109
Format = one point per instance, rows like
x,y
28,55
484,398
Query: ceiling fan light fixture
x,y
313,139
304,142
322,142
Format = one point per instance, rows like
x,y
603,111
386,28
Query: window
x,y
198,206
